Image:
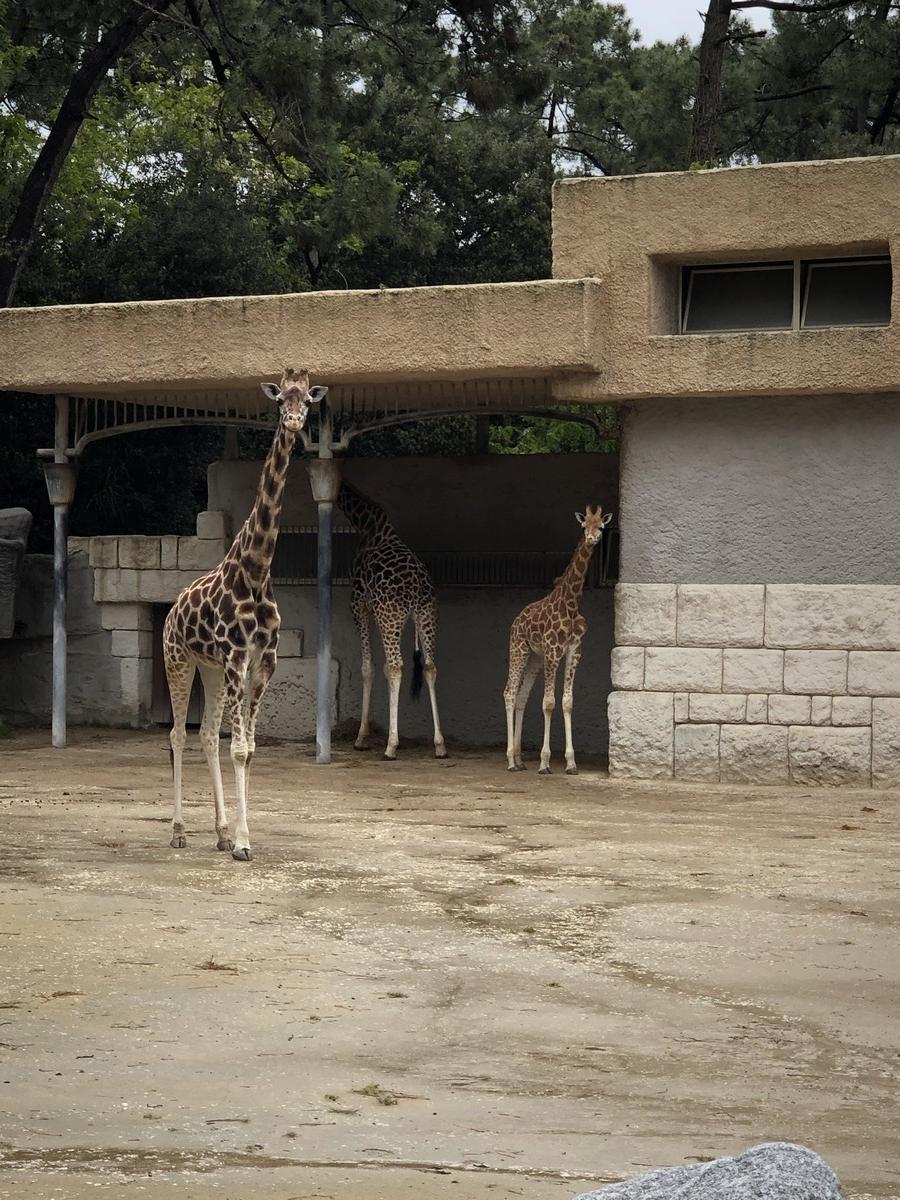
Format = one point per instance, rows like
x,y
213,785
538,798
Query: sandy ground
x,y
435,979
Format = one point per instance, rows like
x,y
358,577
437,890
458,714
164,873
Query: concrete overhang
x,y
216,348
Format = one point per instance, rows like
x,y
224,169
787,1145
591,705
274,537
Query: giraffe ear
x,y
606,520
316,394
270,391
579,517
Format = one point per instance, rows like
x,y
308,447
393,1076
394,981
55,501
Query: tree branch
x,y
787,6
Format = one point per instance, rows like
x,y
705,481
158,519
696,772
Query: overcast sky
x,y
663,20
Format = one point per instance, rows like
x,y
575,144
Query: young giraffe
x,y
390,583
544,632
226,625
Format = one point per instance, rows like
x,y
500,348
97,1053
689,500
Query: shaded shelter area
x,y
388,358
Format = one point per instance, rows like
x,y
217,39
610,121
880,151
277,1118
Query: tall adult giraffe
x,y
542,633
226,626
391,584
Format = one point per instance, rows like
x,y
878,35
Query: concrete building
x,y
743,321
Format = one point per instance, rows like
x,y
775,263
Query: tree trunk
x,y
84,85
708,100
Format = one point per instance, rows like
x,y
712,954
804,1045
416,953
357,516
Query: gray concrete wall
x,y
774,490
501,502
471,654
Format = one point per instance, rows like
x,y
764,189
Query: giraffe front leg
x,y
213,707
573,656
510,696
531,669
180,676
551,665
260,681
390,630
235,684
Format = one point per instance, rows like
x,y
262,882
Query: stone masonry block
x,y
132,643
720,614
838,616
641,735
722,708
104,552
290,643
789,710
168,552
116,586
874,673
645,614
851,710
162,587
753,754
830,757
140,553
628,668
682,669
682,706
820,713
199,555
815,671
886,742
126,616
78,545
757,709
753,671
697,752
137,687
211,525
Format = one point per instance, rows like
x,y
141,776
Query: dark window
x,y
846,292
738,297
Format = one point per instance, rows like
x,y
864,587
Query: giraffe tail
x,y
418,675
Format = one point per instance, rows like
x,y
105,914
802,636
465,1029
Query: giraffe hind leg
x,y
517,659
180,675
213,707
426,628
532,667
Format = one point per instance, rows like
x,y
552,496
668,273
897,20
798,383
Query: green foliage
x,y
247,146
536,435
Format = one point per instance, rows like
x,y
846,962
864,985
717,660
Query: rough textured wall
x,y
495,502
775,490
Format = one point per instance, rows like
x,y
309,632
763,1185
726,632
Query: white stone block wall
x,y
756,683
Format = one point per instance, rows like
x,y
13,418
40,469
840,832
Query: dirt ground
x,y
435,980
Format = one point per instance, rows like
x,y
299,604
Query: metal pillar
x,y
325,479
60,478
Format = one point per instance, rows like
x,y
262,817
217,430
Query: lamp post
x,y
325,481
60,479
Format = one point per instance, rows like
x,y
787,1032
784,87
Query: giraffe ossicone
x,y
544,633
225,625
391,584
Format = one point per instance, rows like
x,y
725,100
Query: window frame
x,y
800,291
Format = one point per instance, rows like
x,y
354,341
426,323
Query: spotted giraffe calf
x,y
543,633
226,626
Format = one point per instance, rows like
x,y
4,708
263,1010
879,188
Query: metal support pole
x,y
60,582
325,481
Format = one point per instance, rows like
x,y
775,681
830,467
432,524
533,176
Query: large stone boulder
x,y
771,1171
15,525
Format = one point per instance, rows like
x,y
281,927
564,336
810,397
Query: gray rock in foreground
x,y
772,1171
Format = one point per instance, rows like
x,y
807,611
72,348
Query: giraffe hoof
x,y
241,854
440,752
224,843
178,842
360,745
389,757
571,770
544,771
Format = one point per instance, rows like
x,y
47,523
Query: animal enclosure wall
x,y
480,505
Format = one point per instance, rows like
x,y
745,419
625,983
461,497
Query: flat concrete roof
x,y
212,350
604,330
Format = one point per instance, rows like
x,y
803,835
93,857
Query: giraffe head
x,y
294,397
593,522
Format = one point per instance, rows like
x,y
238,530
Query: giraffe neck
x,y
369,519
571,582
254,546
